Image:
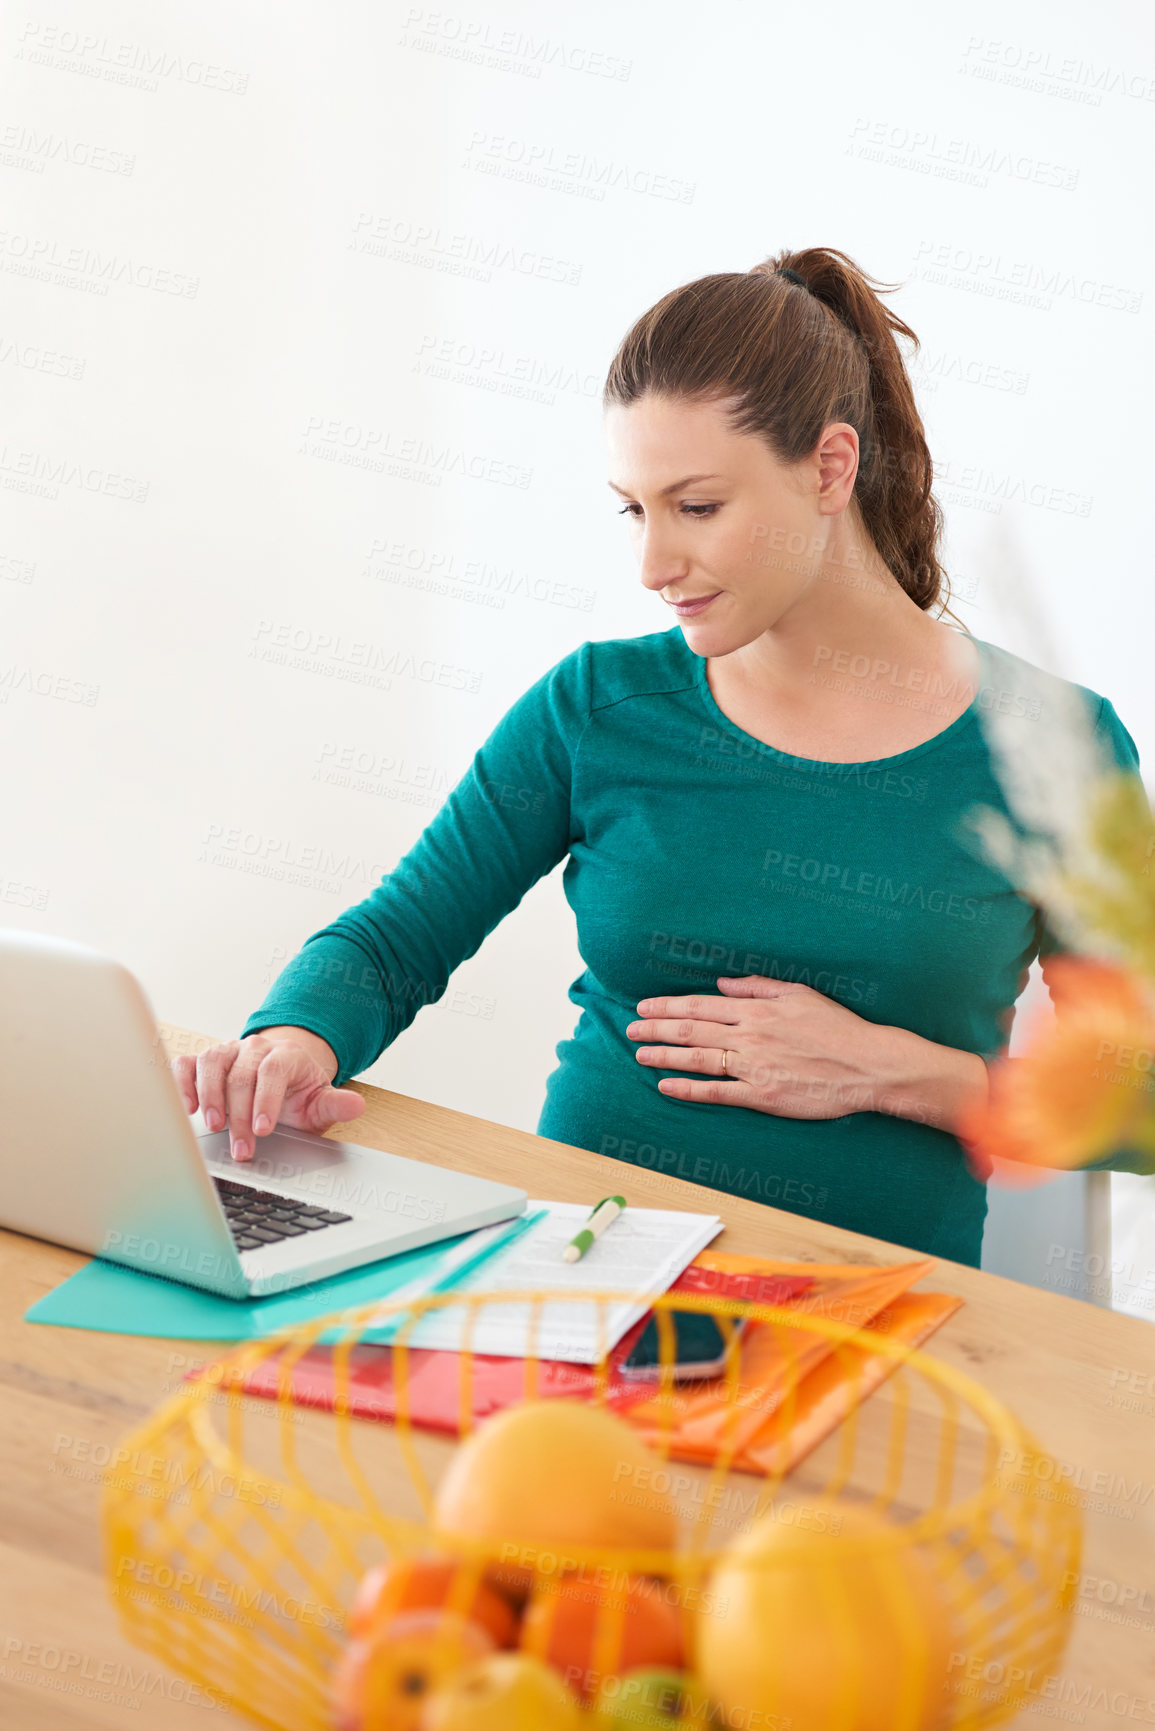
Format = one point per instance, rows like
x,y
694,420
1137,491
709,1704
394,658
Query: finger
x,y
760,986
272,1079
184,1070
213,1066
710,1009
705,1058
715,1093
684,1033
335,1106
240,1088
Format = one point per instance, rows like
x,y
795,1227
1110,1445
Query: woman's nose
x,y
660,562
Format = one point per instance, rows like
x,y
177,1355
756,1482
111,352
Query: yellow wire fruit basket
x,y
238,1530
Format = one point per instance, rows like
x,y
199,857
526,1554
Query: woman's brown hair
x,y
797,358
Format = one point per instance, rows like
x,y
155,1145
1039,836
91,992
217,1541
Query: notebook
x,y
640,1255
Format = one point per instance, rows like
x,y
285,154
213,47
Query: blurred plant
x,y
1080,843
1083,1087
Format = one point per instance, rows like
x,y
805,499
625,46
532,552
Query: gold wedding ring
x,y
723,1060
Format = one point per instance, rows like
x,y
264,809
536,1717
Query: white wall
x,y
235,239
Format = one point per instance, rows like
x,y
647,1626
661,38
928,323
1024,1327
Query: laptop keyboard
x,y
259,1217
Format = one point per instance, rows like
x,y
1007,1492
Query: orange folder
x,y
795,1386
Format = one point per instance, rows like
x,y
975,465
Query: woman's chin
x,y
712,622
704,640
718,632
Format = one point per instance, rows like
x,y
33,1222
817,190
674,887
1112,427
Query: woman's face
x,y
713,513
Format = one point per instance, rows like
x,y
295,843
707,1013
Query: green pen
x,y
606,1210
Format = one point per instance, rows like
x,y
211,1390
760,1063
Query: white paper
x,y
641,1254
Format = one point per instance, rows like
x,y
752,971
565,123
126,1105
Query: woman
x,y
796,961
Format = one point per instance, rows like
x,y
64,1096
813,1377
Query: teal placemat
x,y
115,1300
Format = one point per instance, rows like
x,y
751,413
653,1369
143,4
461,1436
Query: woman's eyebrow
x,y
672,488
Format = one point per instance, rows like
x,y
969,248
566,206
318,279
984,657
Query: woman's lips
x,y
684,609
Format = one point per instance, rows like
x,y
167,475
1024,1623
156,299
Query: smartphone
x,y
701,1343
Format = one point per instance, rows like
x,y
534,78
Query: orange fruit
x,y
384,1678
429,1583
545,1475
795,1624
507,1692
588,1631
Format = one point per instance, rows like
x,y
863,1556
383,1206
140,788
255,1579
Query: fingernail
x,y
240,1150
213,1118
260,1123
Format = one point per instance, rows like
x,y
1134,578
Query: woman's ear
x,y
837,460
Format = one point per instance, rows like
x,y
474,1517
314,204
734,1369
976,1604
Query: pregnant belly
x,y
886,1177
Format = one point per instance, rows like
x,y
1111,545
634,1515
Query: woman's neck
x,y
852,671
852,614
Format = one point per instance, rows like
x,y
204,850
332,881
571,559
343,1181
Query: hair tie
x,y
791,275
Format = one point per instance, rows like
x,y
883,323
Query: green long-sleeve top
x,y
692,850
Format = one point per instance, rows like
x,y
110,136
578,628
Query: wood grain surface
x,y
1081,1378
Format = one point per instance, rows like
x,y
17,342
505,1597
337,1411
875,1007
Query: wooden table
x,y
1082,1379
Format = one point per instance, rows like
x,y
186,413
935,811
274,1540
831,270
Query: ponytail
x,y
801,340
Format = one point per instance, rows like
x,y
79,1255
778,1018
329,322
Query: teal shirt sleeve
x,y
1122,749
360,981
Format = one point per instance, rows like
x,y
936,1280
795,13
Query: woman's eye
x,y
691,510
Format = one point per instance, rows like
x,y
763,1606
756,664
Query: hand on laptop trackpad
x,y
284,1151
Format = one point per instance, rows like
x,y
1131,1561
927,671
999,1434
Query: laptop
x,y
97,1150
